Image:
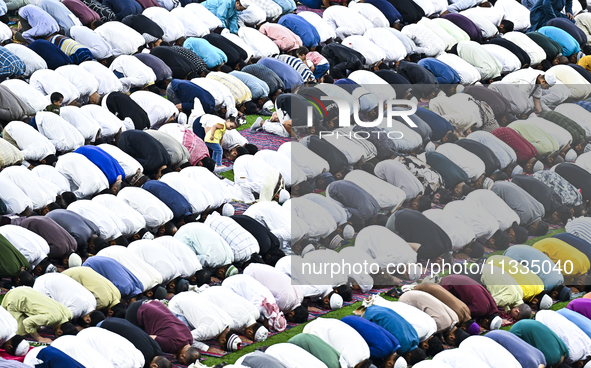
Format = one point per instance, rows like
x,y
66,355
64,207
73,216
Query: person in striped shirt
x,y
298,65
76,51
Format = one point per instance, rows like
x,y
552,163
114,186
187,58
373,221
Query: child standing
x,y
214,134
56,102
315,61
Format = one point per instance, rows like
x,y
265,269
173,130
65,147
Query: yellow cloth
x,y
561,251
218,135
585,62
105,292
530,283
503,287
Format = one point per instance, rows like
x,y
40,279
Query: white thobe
x,y
287,228
110,124
288,296
243,313
187,20
115,348
409,140
129,164
490,352
253,175
483,223
579,87
148,275
49,81
317,259
239,42
156,256
423,323
33,247
242,243
99,48
342,337
515,12
85,82
108,222
324,30
333,207
173,29
8,326
81,352
14,198
132,220
458,231
37,189
159,109
387,195
372,52
382,90
458,359
299,155
345,21
211,249
251,290
53,178
467,72
320,223
33,145
261,45
124,40
469,162
85,178
88,127
34,99
292,174
194,193
535,52
577,342
459,109
31,59
508,59
155,212
215,191
186,260
447,39
487,28
135,73
293,356
578,114
204,15
61,134
371,13
352,255
67,292
108,82
206,319
427,41
504,153
384,246
311,286
222,95
398,175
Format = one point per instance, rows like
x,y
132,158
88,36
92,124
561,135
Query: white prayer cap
x,y
182,119
22,348
487,183
227,210
245,3
459,88
546,302
309,248
588,365
261,334
283,196
539,166
414,272
550,78
400,363
430,147
269,105
233,342
336,301
74,260
570,156
587,148
348,232
496,323
518,170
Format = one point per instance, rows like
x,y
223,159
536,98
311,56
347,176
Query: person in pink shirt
x,y
315,61
283,37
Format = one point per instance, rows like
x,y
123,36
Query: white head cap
x,y
348,232
546,302
430,147
400,363
539,166
588,365
74,260
336,301
22,348
309,248
283,196
460,88
550,78
182,119
518,170
227,210
414,273
261,334
570,156
487,183
268,105
496,323
245,3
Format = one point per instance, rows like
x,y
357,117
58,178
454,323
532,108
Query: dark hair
x,y
476,250
586,49
305,187
251,108
203,276
44,264
302,50
345,292
508,25
542,228
380,219
16,340
169,228
368,167
26,279
502,240
100,244
154,89
162,362
546,65
192,355
56,96
521,233
435,346
451,137
499,176
563,213
461,335
96,23
191,218
96,317
68,328
122,241
272,256
300,314
423,203
208,163
357,222
444,195
578,211
328,79
50,159
241,151
466,189
53,206
119,310
251,148
69,198
524,312
416,355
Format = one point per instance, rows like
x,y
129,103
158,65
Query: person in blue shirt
x,y
183,93
63,16
108,165
53,56
288,74
52,357
10,65
441,129
443,72
301,27
382,344
126,282
527,355
258,88
213,57
550,277
287,6
123,8
174,200
580,244
578,319
226,11
570,46
545,10
570,28
389,11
